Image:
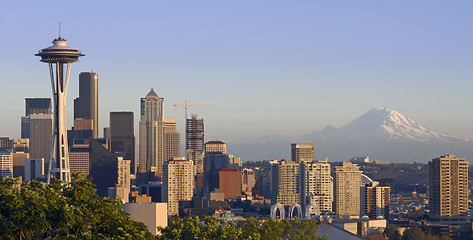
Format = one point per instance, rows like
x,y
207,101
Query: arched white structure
x,y
274,210
365,180
299,211
312,210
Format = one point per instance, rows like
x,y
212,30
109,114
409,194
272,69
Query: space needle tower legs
x,y
59,58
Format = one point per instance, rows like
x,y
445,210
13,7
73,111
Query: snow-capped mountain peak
x,y
387,121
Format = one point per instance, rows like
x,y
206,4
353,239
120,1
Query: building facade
x,y
316,185
41,134
86,105
6,162
177,183
347,189
285,182
448,188
172,140
122,136
302,152
375,200
152,134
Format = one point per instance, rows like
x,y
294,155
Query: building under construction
x,y
195,133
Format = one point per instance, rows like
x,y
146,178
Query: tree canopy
x,y
63,211
211,228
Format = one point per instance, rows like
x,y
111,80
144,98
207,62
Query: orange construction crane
x,y
191,105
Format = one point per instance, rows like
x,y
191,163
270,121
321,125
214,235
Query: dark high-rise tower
x,y
37,105
86,105
122,138
59,58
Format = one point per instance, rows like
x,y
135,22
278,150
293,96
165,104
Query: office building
x,y
347,189
37,105
122,136
41,134
20,154
172,144
177,183
285,182
229,182
103,167
34,169
6,162
248,180
79,158
375,200
448,189
5,142
316,185
33,106
122,188
302,152
152,134
86,105
215,146
213,162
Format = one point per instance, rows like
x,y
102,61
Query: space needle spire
x,y
59,58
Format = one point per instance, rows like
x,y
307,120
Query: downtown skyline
x,y
267,68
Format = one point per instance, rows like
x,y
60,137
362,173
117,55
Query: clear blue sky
x,y
267,67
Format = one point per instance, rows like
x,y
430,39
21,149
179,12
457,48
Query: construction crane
x,y
191,105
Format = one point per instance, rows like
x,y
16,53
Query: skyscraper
x,y
33,106
215,146
172,144
37,105
302,152
177,183
122,136
347,189
41,130
316,185
448,189
152,134
86,105
59,57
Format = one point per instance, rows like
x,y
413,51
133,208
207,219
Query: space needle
x,y
59,58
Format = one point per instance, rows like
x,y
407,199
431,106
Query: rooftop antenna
x,y
59,30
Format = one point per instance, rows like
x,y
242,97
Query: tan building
x,y
79,158
83,124
215,146
285,182
234,162
347,189
316,185
20,154
448,188
248,180
178,183
172,144
375,200
41,130
302,152
153,215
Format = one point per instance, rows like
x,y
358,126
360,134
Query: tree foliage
x,y
63,211
212,228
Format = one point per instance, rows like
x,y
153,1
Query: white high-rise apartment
x,y
152,134
347,189
375,200
316,185
178,183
